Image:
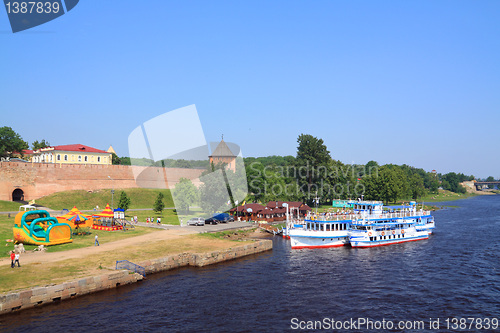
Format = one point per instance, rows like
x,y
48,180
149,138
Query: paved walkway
x,y
200,229
168,232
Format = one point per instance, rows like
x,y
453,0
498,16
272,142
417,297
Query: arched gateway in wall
x,y
18,195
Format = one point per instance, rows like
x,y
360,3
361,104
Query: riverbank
x,y
42,295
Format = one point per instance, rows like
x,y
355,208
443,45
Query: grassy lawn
x,y
84,200
41,274
226,233
9,206
444,195
168,216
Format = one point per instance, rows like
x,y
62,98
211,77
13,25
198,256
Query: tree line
x,y
313,173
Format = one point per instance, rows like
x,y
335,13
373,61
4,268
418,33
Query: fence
x,y
125,264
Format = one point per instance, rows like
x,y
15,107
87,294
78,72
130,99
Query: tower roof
x,y
223,150
111,150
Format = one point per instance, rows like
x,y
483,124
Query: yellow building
x,y
71,154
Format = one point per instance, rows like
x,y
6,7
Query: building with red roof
x,y
71,154
273,211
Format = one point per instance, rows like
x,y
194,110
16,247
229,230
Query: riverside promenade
x,y
97,280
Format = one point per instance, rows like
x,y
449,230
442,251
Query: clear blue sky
x,y
413,82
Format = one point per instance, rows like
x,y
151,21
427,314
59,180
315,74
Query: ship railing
x,y
399,214
337,217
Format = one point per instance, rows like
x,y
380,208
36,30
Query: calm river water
x,y
454,274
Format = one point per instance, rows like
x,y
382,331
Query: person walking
x,y
96,243
12,258
17,260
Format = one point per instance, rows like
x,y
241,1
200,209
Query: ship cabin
x,y
368,208
327,225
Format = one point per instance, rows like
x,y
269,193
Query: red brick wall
x,y
40,179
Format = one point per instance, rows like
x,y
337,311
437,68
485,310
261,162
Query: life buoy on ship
x,y
402,231
383,233
369,234
393,232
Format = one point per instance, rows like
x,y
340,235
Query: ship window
x,y
327,227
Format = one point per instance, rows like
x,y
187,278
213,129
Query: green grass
x,y
9,206
444,195
168,216
226,234
84,200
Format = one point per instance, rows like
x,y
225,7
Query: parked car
x,y
211,220
196,221
224,217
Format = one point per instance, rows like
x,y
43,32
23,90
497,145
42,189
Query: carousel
x,y
105,220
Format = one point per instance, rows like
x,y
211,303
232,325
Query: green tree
x,y
490,179
159,205
124,201
417,187
11,142
184,194
115,160
213,192
312,159
39,145
125,160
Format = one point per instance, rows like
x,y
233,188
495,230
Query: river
x,y
453,274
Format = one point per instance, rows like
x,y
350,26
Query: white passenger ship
x,y
397,224
366,225
319,233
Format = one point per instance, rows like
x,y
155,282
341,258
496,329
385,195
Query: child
x,y
12,257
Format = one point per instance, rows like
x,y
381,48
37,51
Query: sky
x,y
403,82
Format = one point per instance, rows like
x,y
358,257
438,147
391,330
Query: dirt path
x,y
31,257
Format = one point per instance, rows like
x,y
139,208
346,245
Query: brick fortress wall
x,y
40,179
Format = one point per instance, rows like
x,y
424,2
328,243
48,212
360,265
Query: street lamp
x,y
287,219
112,192
316,202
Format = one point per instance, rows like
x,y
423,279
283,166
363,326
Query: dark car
x,y
211,221
224,217
227,219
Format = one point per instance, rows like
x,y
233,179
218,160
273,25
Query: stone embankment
x,y
39,296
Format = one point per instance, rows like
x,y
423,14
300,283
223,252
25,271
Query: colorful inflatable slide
x,y
38,228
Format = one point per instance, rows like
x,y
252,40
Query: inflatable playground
x,y
37,227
